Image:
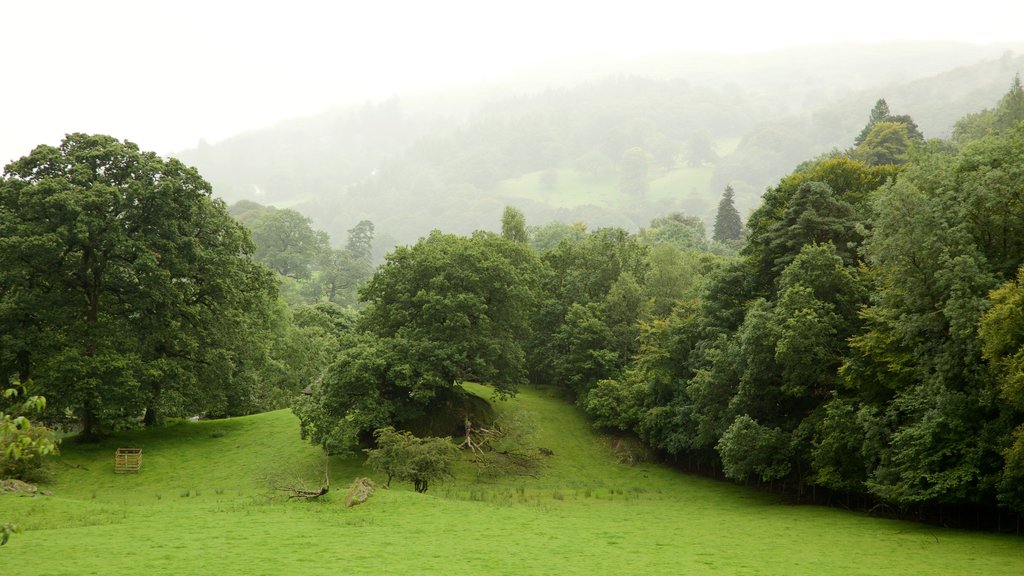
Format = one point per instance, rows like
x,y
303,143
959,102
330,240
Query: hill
x,y
447,161
202,504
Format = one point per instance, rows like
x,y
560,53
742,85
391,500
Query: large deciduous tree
x,y
124,286
446,310
286,241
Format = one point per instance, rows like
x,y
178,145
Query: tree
x,y
403,456
633,171
880,113
1009,112
467,297
513,225
131,290
446,310
341,273
547,236
677,229
579,272
360,241
887,142
728,225
286,241
1002,336
813,215
750,450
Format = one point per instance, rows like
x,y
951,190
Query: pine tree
x,y
879,113
728,225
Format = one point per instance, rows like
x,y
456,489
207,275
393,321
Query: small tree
x,y
513,225
728,225
20,441
404,456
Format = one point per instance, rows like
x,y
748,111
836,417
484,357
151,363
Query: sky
x,y
165,74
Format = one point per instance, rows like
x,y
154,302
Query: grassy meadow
x,y
203,503
687,189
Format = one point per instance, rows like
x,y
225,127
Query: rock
x,y
359,492
18,486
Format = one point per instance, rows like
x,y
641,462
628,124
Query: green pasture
x,y
203,504
682,187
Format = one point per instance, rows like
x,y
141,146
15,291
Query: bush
x,y
23,445
403,456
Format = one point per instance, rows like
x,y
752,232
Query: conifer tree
x,y
728,225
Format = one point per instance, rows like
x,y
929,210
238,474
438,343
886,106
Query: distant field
x,y
202,505
686,189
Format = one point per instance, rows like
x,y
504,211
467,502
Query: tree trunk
x,y
24,360
152,416
88,424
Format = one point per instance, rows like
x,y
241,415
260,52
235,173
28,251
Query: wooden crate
x,y
127,460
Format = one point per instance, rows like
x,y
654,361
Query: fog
x,y
166,74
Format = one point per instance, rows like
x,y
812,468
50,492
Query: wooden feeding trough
x,y
127,460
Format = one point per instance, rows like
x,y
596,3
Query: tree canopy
x,y
125,286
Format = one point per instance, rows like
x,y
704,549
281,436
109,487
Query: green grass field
x,y
688,189
202,505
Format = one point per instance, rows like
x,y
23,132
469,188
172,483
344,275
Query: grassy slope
x,y
201,505
686,189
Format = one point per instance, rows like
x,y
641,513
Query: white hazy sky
x,y
165,73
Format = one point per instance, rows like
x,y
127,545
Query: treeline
x,y
867,341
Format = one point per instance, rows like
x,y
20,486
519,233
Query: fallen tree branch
x,y
303,492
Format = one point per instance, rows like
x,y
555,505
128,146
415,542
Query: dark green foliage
x,y
857,345
813,215
466,298
750,450
569,327
125,287
582,343
1002,336
446,310
728,225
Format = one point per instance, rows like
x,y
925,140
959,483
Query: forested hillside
x,y
616,149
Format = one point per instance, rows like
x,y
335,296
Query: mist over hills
x,y
555,146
